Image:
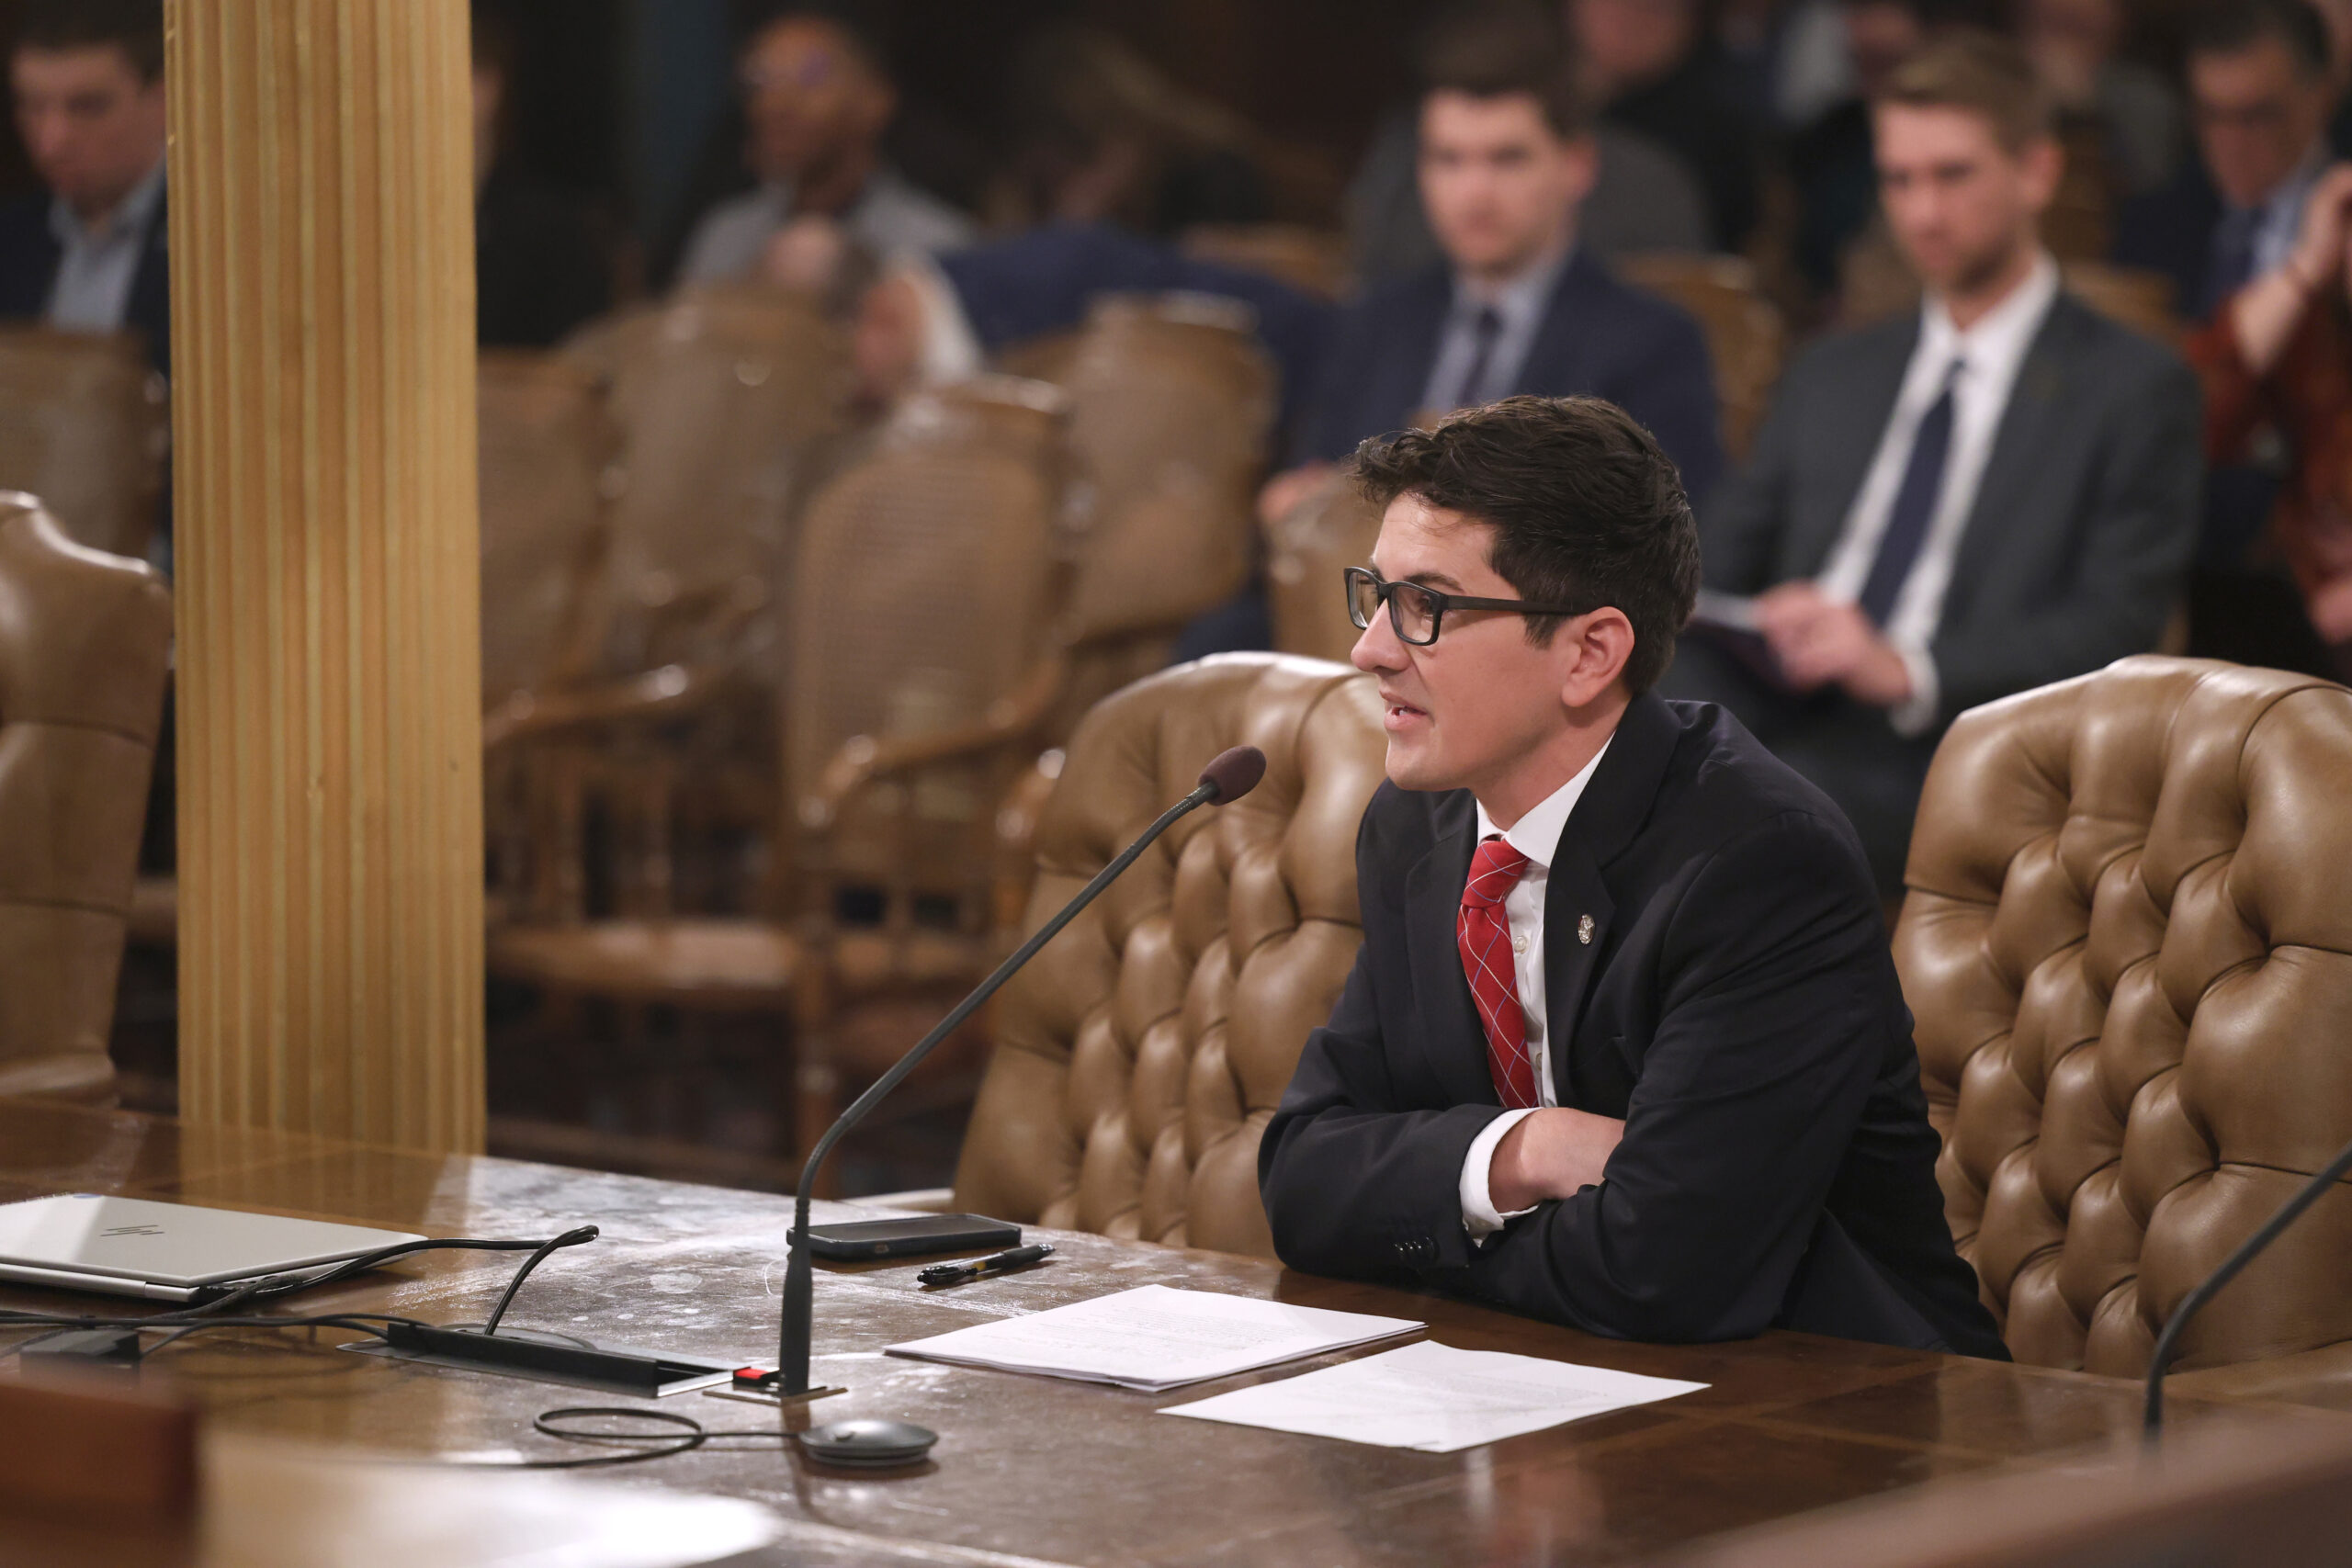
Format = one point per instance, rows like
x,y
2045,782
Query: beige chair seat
x,y
720,963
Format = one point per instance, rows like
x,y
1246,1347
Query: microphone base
x,y
750,1392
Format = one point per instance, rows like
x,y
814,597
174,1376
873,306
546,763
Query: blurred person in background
x,y
2024,512
817,98
1653,67
541,266
1645,197
1517,304
2261,89
2279,354
88,252
2073,45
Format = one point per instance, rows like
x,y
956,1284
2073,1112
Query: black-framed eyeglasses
x,y
1415,613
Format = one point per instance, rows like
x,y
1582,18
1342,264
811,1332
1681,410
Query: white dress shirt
x,y
1990,355
1536,836
98,263
1520,305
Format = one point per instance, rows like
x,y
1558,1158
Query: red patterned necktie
x,y
1483,934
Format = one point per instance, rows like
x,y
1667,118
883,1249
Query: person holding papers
x,y
1624,1047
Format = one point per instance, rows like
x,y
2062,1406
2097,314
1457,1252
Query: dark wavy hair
x,y
1586,506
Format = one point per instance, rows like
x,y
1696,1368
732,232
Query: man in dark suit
x,y
1505,160
1995,493
1624,1047
87,79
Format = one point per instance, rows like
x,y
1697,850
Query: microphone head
x,y
1233,773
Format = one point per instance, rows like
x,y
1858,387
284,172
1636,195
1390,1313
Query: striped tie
x,y
1484,935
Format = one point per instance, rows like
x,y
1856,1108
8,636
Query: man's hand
x,y
1822,641
1287,490
1552,1154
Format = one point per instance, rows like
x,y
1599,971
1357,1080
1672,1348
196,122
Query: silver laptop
x,y
165,1252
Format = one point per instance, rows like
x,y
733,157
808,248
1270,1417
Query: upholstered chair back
x,y
726,397
923,598
1746,337
2128,943
547,447
1306,550
85,424
1139,1056
84,644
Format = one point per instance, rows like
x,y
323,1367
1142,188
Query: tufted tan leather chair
x,y
1746,337
1307,549
2128,948
84,425
1139,1057
84,642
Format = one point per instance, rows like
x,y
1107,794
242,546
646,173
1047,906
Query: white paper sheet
x,y
1434,1398
1155,1337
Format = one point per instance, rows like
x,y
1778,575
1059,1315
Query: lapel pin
x,y
1584,930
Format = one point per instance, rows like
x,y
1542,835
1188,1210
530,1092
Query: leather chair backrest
x,y
1307,549
85,424
548,446
2144,301
726,399
1746,338
924,594
1139,1056
2128,946
84,645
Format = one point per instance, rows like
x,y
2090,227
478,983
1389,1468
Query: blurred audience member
x,y
1518,305
2279,354
540,265
2024,512
2261,89
817,98
2073,45
1654,69
1645,197
88,254
1830,161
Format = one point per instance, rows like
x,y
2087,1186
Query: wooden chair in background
x,y
85,424
921,668
84,642
1314,260
1746,335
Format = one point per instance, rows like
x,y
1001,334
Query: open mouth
x,y
1400,712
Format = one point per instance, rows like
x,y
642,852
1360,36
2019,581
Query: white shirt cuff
x,y
1915,715
951,350
1478,1215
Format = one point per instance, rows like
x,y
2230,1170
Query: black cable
x,y
569,1238
271,1285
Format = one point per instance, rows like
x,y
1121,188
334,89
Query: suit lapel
x,y
1416,328
1555,354
2004,497
1864,408
1589,1073
1451,1033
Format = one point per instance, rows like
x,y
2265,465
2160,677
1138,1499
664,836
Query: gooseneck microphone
x,y
2152,1421
1232,775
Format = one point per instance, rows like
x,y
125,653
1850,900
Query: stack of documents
x,y
1156,1338
1434,1398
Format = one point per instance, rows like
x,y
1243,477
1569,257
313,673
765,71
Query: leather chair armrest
x,y
2320,1377
864,759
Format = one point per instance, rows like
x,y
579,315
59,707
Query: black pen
x,y
1001,1263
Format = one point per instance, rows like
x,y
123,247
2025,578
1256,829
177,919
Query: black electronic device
x,y
1232,775
919,1236
868,1444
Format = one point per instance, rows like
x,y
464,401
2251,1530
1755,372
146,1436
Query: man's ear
x,y
2044,161
1592,651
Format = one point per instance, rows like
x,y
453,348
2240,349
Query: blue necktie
x,y
1485,326
1915,506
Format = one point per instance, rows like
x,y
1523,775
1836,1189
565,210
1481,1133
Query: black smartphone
x,y
911,1237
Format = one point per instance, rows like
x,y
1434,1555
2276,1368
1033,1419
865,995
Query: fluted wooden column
x,y
330,760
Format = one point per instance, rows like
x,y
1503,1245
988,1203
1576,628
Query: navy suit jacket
x,y
29,256
1600,338
1735,1004
1042,281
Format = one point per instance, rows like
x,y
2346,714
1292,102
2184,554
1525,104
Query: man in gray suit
x,y
1994,493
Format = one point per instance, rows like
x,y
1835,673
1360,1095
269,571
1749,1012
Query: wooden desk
x,y
1032,1469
